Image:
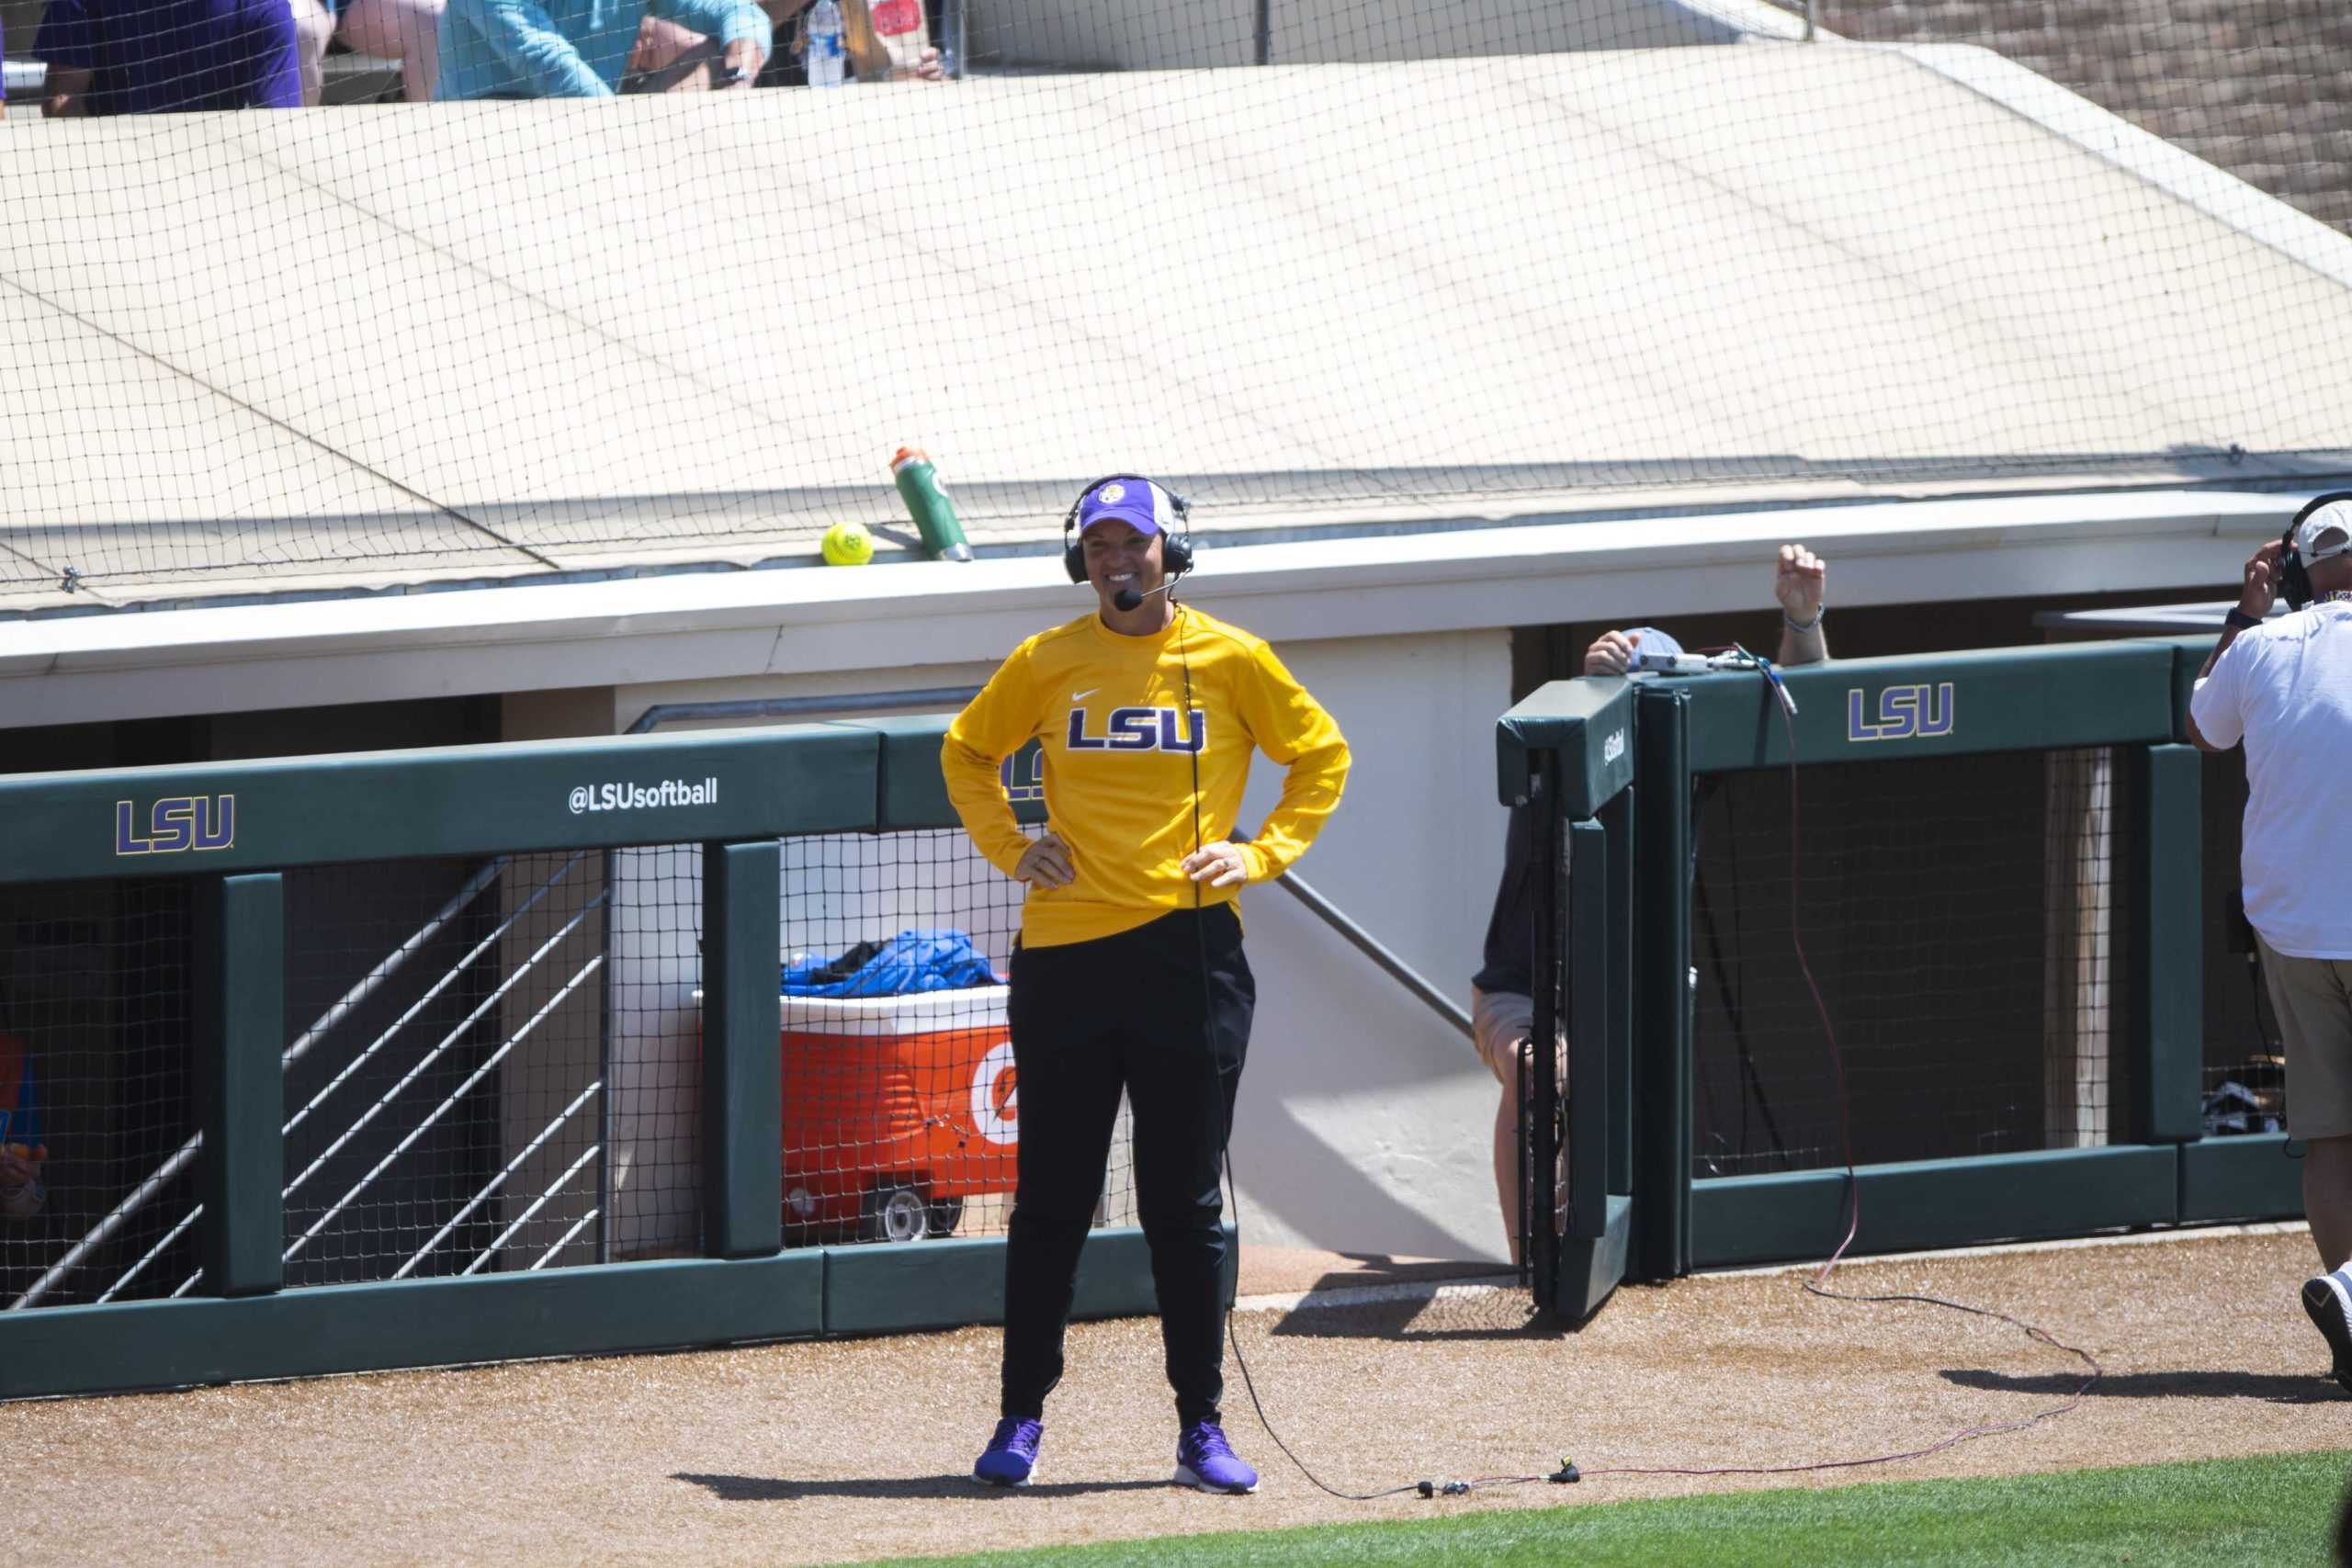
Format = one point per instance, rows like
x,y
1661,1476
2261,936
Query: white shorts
x,y
1501,1024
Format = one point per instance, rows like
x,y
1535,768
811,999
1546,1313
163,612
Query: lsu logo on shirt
x,y
1138,729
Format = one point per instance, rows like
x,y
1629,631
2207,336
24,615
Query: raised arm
x,y
2215,723
1798,582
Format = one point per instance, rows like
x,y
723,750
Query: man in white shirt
x,y
2285,688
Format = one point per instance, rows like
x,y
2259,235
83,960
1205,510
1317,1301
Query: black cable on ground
x,y
1568,1470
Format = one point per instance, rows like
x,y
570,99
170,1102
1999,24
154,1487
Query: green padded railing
x,y
1638,745
232,826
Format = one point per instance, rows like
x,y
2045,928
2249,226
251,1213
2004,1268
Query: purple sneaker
x,y
1205,1460
1011,1454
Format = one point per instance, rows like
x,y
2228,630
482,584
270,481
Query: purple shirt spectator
x,y
158,56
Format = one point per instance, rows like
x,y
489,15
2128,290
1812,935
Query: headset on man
x,y
2294,574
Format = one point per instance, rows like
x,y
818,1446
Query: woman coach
x,y
1128,973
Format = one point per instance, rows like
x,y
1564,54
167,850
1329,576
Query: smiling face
x,y
1121,557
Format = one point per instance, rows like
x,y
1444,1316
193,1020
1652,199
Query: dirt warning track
x,y
823,1452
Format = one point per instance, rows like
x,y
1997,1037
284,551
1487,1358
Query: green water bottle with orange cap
x,y
926,498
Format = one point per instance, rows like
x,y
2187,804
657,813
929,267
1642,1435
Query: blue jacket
x,y
569,48
157,56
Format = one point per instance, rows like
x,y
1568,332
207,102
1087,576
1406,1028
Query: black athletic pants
x,y
1089,1019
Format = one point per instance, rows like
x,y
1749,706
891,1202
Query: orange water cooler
x,y
895,1110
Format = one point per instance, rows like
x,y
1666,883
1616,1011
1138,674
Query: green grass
x,y
2274,1510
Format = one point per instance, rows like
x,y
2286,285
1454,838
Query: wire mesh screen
x,y
901,1116
96,1109
1960,915
2245,1063
1698,250
445,1103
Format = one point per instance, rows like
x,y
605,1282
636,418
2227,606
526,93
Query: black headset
x,y
1175,556
2294,576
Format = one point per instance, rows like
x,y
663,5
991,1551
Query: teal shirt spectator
x,y
569,48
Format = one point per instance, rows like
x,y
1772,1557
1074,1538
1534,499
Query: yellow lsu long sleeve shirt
x,y
1120,745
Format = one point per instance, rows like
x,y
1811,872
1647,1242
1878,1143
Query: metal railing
x,y
183,1157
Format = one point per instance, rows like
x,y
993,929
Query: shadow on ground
x,y
2278,1388
776,1489
1377,1268
1503,1314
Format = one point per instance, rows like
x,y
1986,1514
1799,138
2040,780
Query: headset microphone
x,y
1128,599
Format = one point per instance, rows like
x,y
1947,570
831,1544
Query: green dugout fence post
x,y
1539,1129
1617,821
1590,1097
1565,753
2165,888
743,1074
1661,1236
240,1000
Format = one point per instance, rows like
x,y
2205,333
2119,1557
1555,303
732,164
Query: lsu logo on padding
x,y
1138,729
1904,713
177,823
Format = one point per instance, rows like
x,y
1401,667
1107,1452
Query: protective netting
x,y
1961,916
95,1090
2262,88
1380,254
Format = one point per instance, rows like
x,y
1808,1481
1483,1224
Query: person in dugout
x,y
1502,1004
22,1152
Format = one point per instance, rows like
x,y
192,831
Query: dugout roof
x,y
263,354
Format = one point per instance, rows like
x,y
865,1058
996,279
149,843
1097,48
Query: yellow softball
x,y
848,544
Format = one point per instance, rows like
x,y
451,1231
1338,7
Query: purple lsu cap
x,y
1132,501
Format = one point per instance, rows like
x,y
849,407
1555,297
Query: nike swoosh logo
x,y
1081,696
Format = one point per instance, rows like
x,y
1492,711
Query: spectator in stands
x,y
405,30
1501,994
579,49
2285,688
158,56
860,41
22,1152
664,48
